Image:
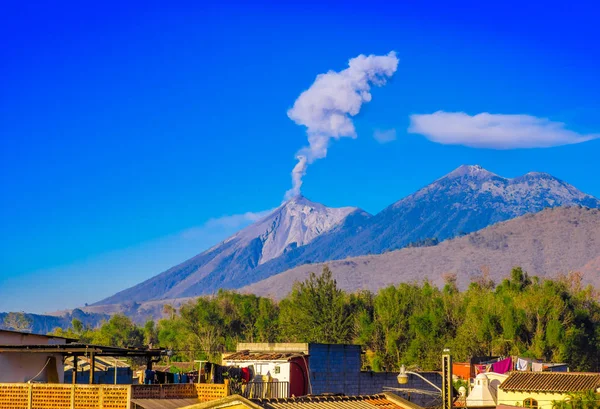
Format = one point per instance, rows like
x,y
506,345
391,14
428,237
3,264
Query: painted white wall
x,y
265,368
21,367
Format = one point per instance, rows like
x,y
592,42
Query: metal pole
x,y
425,379
115,371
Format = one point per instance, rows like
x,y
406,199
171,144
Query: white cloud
x,y
326,108
384,136
494,131
236,220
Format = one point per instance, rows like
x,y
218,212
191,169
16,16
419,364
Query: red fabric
x,y
246,374
480,369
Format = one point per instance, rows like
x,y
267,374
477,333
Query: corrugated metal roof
x,y
101,363
325,402
557,382
163,403
261,356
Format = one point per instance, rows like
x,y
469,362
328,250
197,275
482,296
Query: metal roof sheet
x,y
325,402
557,382
164,403
261,356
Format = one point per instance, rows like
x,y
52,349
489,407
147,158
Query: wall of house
x,y
15,367
337,369
517,398
278,370
21,367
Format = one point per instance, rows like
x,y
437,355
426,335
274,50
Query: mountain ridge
x,y
299,231
293,224
547,243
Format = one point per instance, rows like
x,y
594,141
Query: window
x,y
530,403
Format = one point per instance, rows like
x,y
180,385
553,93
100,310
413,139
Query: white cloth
x,y
537,366
523,364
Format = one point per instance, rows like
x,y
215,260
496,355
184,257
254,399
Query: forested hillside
x,y
554,320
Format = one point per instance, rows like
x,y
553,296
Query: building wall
x,y
21,367
265,368
517,398
337,369
16,367
124,376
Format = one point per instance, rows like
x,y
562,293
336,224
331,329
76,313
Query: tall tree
x,y
316,311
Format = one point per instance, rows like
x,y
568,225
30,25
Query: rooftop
x,y
25,333
261,356
348,402
80,349
553,382
385,400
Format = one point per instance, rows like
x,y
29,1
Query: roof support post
x,y
75,361
92,367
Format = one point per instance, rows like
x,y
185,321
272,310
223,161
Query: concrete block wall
x,y
374,382
334,368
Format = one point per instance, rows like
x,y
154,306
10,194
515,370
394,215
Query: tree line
x,y
555,320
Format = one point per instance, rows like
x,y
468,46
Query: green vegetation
x,y
583,400
554,320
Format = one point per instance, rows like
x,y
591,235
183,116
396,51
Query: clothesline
x,y
505,364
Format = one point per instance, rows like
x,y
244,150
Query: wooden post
x,y
92,367
75,361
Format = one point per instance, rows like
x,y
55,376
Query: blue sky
x,y
126,134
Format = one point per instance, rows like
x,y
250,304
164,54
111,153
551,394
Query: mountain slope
x,y
466,200
553,241
300,232
290,226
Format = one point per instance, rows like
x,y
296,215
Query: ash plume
x,y
327,107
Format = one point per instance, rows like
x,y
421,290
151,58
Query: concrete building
x,y
326,368
538,390
23,366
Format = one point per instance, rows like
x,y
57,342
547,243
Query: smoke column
x,y
326,108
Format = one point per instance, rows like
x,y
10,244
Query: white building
x,y
485,391
35,367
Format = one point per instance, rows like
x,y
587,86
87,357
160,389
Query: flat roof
x,y
81,349
10,331
261,356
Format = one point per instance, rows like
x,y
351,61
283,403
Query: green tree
x,y
316,311
119,331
